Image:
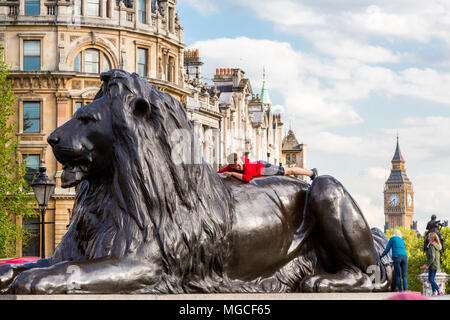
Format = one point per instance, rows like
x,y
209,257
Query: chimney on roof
x,y
193,63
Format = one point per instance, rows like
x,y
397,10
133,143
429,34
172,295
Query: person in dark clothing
x,y
433,263
243,169
434,226
400,258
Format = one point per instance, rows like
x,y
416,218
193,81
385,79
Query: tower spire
x,y
264,92
398,155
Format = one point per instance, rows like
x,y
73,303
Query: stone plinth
x,y
440,279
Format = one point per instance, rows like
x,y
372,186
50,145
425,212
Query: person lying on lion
x,y
242,169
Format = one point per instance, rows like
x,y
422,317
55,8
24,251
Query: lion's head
x,y
119,149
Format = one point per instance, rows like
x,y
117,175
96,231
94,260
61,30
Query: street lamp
x,y
192,106
43,188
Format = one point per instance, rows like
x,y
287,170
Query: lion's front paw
x,y
6,276
315,284
38,281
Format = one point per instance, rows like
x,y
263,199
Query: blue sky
x,y
349,75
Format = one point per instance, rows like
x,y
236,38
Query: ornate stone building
x,y
293,152
398,195
57,49
229,117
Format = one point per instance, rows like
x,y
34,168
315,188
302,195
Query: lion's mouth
x,y
73,174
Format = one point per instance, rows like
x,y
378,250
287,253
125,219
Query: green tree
x,y
14,193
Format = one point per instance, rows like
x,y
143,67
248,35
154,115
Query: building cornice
x,y
90,25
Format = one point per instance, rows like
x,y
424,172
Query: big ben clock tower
x,y
398,195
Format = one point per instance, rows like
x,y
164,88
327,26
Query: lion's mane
x,y
152,201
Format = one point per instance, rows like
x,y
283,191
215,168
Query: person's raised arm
x,y
225,169
388,247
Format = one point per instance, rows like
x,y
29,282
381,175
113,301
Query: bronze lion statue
x,y
146,224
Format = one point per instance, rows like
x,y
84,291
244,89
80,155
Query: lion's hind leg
x,y
343,240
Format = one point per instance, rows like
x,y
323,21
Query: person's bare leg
x,y
297,171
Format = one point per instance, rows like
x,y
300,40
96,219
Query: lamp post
x,y
43,188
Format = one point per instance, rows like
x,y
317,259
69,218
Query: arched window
x,y
77,63
294,158
288,159
91,61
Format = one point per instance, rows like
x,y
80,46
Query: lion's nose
x,y
53,140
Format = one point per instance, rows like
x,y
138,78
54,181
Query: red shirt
x,y
251,169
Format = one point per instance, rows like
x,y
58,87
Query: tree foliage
x,y
14,192
417,257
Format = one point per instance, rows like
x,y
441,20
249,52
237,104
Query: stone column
x,y
103,5
21,7
440,279
148,12
110,9
83,7
42,8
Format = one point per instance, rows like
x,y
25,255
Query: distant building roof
x,y
398,176
290,142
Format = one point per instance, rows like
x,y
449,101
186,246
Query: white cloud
x,y
287,73
378,173
373,214
347,48
380,22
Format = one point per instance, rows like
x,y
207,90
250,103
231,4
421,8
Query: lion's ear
x,y
140,107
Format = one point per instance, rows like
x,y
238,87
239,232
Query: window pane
x,y
78,10
141,11
32,246
78,105
31,55
142,55
91,59
142,62
106,64
31,116
31,63
32,7
32,47
93,8
31,166
77,63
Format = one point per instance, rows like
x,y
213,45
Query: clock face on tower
x,y
394,200
409,200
